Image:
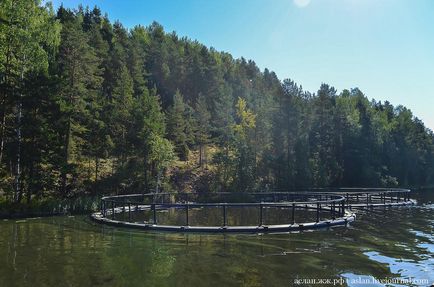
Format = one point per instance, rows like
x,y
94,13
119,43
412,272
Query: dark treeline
x,y
90,106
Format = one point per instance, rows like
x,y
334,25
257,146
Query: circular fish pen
x,y
244,212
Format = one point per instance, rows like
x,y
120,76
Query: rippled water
x,y
389,244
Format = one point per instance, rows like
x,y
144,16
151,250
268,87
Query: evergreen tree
x,y
245,161
149,121
27,32
87,105
203,117
177,126
325,168
80,78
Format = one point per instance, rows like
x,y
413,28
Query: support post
x,y
333,211
113,210
343,208
317,212
186,215
225,223
129,211
154,213
293,213
261,218
123,209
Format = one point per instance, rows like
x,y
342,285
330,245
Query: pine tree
x,y
149,121
97,96
98,141
203,117
244,157
80,78
177,125
27,31
325,168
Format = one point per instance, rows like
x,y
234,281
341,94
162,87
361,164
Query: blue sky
x,y
384,47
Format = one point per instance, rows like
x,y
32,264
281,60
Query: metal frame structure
x,y
329,208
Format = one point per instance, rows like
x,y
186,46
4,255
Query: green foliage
x,y
79,76
29,35
203,117
244,158
88,106
179,125
246,120
162,153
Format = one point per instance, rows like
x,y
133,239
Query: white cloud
x,y
301,3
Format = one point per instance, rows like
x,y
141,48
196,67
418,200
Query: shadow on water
x,y
73,251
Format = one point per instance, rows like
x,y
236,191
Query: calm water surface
x,y
73,251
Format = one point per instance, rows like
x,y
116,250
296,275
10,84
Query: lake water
x,y
387,245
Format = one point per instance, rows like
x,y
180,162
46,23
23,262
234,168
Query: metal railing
x,y
322,206
325,206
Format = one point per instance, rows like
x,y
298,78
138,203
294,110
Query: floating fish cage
x,y
258,212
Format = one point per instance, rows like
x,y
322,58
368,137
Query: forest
x,y
88,106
